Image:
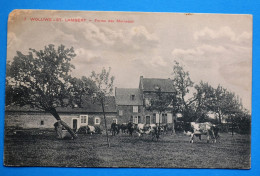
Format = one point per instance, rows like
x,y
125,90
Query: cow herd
x,y
191,129
141,129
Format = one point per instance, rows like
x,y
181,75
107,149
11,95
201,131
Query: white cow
x,y
206,128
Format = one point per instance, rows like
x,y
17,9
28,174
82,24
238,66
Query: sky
x,y
214,48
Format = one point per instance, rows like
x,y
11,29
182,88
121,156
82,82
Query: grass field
x,y
41,148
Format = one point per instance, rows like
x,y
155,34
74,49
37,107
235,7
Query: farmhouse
x,y
132,104
88,114
128,104
148,88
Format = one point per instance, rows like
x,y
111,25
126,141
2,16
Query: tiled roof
x,y
124,96
151,84
87,107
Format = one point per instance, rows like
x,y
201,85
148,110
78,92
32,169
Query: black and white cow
x,y
88,129
149,129
197,129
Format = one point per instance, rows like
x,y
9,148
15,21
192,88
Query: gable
x,y
152,84
127,96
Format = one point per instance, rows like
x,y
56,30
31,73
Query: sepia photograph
x,y
128,90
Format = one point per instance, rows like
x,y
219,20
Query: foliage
x,y
104,84
182,84
206,99
161,101
42,80
218,100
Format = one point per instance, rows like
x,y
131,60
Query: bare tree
x,y
104,87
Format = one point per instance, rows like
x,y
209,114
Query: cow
x,y
143,129
165,128
123,128
149,129
131,127
155,131
88,129
115,128
197,129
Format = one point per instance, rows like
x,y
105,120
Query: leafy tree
x,y
203,96
42,80
78,89
218,100
160,103
224,103
104,87
183,84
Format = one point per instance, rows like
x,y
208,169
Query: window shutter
x,y
157,118
169,117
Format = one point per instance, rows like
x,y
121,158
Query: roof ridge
x,y
127,88
159,78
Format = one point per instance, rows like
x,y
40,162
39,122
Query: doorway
x,y
75,124
148,119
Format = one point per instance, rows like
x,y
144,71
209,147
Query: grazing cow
x,y
155,131
167,128
115,128
150,129
198,129
130,128
88,129
123,128
143,129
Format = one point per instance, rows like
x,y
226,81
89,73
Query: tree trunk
x,y
57,117
219,117
159,128
103,109
232,123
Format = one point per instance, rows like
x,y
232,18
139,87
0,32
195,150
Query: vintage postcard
x,y
128,89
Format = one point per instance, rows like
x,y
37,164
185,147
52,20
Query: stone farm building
x,y
132,104
88,114
128,104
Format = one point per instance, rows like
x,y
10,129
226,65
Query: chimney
x,y
141,83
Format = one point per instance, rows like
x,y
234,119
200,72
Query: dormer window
x,y
132,97
156,87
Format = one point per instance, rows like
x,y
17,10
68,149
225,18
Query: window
x,y
135,119
139,119
135,108
83,118
115,121
97,121
132,97
120,112
164,118
131,119
154,118
42,122
147,119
